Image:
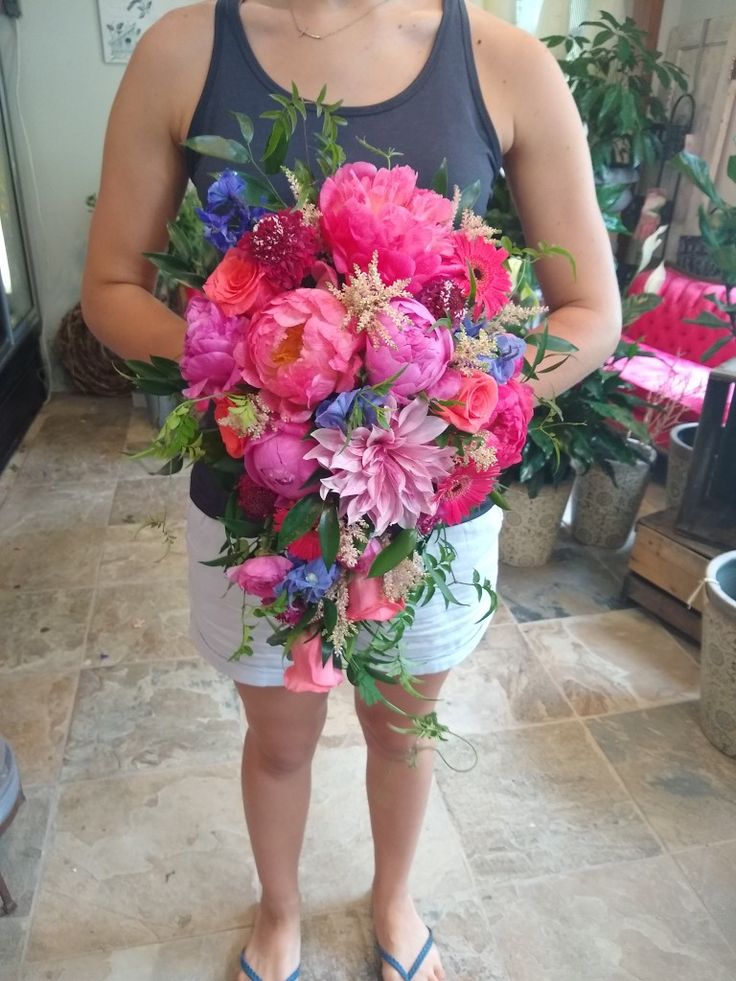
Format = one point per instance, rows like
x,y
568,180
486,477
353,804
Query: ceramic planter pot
x,y
603,513
682,441
529,530
718,655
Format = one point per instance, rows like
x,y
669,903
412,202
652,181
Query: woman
x,y
434,80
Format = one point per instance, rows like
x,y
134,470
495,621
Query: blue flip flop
x,y
421,956
250,973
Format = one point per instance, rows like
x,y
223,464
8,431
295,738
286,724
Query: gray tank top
x,y
441,114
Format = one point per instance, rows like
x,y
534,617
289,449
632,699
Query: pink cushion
x,y
665,328
673,378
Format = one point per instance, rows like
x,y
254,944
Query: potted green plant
x,y
611,72
718,654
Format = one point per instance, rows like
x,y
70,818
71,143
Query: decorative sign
x,y
122,22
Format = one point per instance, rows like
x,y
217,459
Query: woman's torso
x,y
439,113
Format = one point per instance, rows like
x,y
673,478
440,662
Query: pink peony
x,y
238,284
366,210
493,283
260,576
510,421
421,351
278,459
476,398
207,363
299,351
307,673
385,475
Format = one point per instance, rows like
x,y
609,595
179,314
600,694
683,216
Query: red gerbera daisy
x,y
284,246
493,282
461,491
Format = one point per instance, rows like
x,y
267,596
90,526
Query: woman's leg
x,y
283,730
398,780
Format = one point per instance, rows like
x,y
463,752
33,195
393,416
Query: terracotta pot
x,y
603,513
682,441
718,655
529,530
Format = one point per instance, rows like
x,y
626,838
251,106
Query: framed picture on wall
x,y
122,22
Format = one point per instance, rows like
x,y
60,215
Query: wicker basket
x,y
90,365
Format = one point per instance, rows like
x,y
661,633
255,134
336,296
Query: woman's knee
x,y
391,733
283,727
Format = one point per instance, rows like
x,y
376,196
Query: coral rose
x,y
298,349
207,363
260,576
476,398
276,459
307,673
421,352
238,284
510,421
368,601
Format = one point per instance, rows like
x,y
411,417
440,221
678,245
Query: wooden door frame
x,y
648,16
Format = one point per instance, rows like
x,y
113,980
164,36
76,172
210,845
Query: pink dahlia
x,y
284,247
298,350
207,363
386,475
465,488
492,279
367,210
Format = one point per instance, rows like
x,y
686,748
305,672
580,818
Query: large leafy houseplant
x,y
611,76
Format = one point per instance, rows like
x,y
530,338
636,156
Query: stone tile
x,y
143,859
612,662
635,920
21,847
572,584
13,930
39,508
137,501
332,842
141,716
463,935
503,615
43,630
500,686
34,710
711,871
75,447
48,560
135,554
542,800
116,409
685,787
132,622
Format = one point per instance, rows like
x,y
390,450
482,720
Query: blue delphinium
x,y
308,582
361,407
227,217
510,349
473,327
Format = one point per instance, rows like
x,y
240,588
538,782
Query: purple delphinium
x,y
227,217
308,582
510,350
337,411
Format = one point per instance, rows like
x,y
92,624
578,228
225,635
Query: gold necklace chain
x,y
304,32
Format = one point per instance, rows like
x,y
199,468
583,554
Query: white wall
x,y
677,12
65,93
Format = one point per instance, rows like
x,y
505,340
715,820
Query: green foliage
x,y
179,437
611,76
159,376
398,549
301,518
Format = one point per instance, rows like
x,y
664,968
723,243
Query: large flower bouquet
x,y
352,368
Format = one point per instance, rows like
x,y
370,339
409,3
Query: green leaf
x,y
246,126
329,535
329,615
276,148
440,181
706,319
731,168
551,344
553,40
468,198
175,268
217,146
696,169
301,519
714,349
401,547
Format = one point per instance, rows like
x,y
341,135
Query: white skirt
x,y
438,639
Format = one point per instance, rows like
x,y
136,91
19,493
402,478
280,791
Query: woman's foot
x,y
402,933
274,948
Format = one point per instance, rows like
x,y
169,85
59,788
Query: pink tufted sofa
x,y
675,372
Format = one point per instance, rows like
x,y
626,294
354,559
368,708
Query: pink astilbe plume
x,y
385,475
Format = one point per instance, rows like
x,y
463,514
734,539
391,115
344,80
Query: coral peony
x,y
366,210
278,459
207,363
476,398
238,284
260,576
308,673
421,352
385,475
466,488
510,421
298,349
492,279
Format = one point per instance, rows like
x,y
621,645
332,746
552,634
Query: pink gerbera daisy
x,y
492,280
461,491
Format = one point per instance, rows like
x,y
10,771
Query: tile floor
x,y
594,841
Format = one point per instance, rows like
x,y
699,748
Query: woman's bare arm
x,y
143,181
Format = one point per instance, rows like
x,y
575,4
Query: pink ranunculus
x,y
277,459
385,475
476,398
367,210
510,421
260,576
368,601
207,363
307,673
298,349
238,284
422,352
